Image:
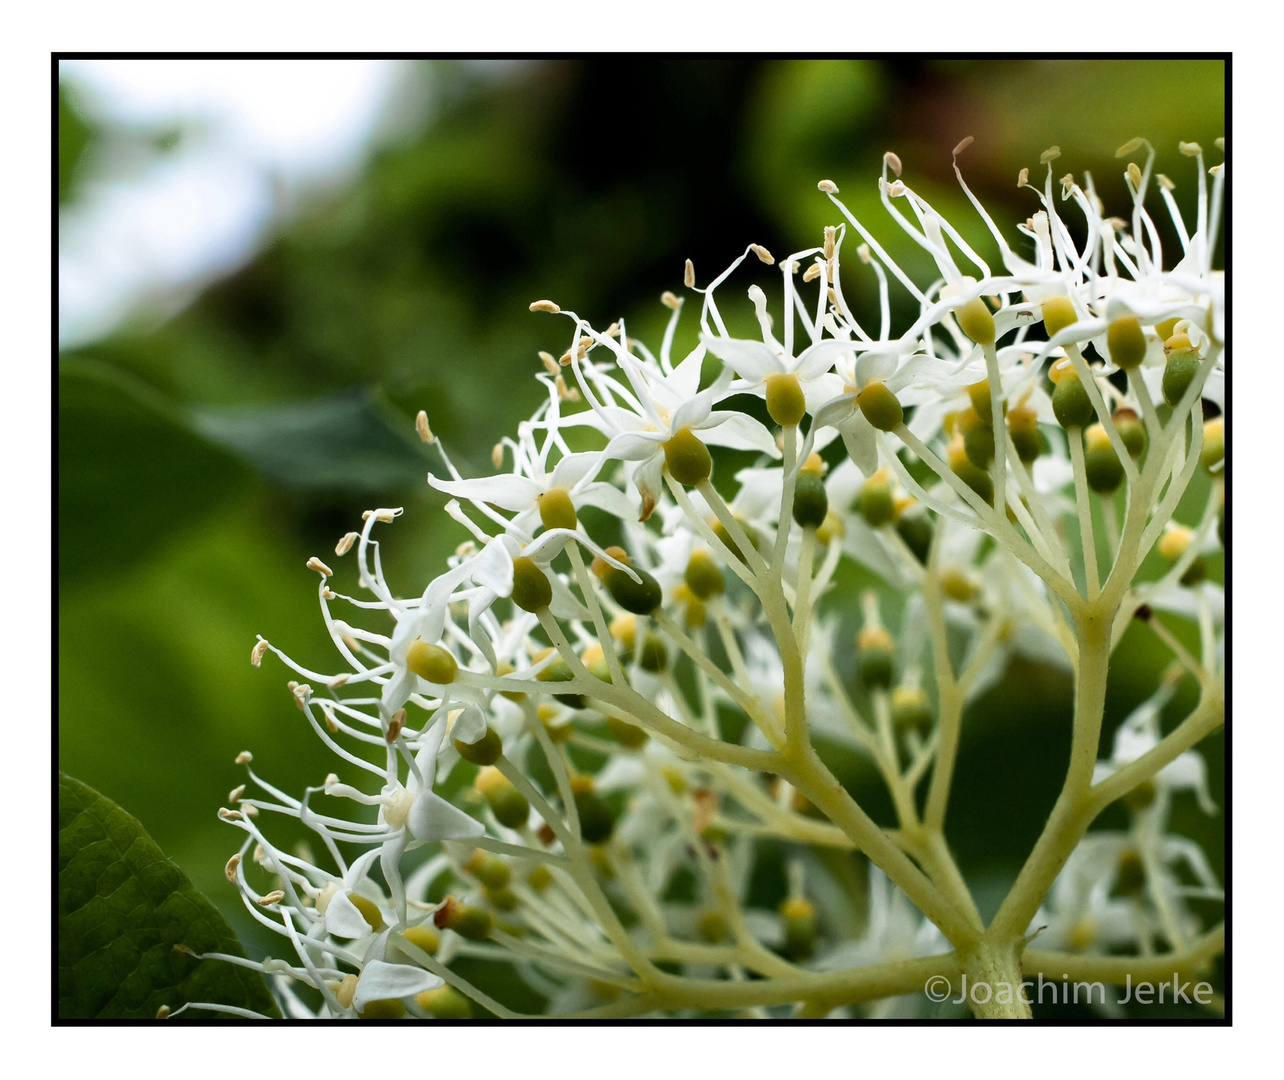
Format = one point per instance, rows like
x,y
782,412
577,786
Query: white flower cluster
x,y
624,677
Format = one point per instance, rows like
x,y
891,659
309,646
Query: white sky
x,y
260,132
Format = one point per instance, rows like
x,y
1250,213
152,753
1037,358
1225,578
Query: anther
x,y
421,426
545,305
688,274
828,187
345,544
316,564
256,654
763,254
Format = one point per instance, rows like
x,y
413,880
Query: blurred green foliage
x,y
204,459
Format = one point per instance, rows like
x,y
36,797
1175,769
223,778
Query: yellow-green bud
x,y
531,588
654,654
799,917
1023,428
1140,797
502,898
639,597
489,869
712,927
1213,454
1070,402
1132,432
910,710
880,407
957,585
445,1003
811,504
1058,313
431,662
876,503
832,528
1101,464
626,734
465,920
916,530
1179,372
1130,874
977,479
485,751
978,437
559,671
596,820
1166,328
703,576
877,651
1125,342
384,1009
369,910
423,937
556,510
507,803
979,394
540,878
976,321
687,458
785,402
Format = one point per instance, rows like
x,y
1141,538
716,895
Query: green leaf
x,y
131,475
127,917
347,441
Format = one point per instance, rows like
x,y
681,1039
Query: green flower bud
x,y
877,652
712,927
540,878
1023,429
1130,874
489,869
654,654
369,910
485,751
502,898
1140,797
916,530
979,394
799,918
596,820
811,504
639,597
1125,342
1179,371
431,662
464,919
559,671
876,502
445,1003
507,803
977,479
531,588
978,438
384,1009
1100,462
1213,454
687,458
910,710
976,320
1058,313
556,510
423,937
785,402
1132,432
703,577
1070,402
880,407
626,734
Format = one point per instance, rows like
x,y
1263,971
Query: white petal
x,y
862,446
508,492
433,818
576,469
493,568
817,359
634,445
736,431
606,497
751,360
380,980
342,919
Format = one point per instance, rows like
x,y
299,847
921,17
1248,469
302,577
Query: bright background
x,y
266,269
